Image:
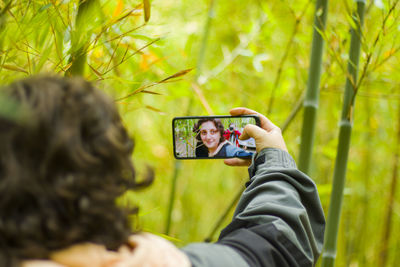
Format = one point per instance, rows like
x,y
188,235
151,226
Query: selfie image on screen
x,y
211,137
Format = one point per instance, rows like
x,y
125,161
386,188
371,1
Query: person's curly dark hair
x,y
62,168
201,150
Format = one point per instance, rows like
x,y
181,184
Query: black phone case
x,y
257,119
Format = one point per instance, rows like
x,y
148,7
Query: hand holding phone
x,y
267,135
205,137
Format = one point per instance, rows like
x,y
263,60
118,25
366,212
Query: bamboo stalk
x,y
200,63
297,107
78,56
312,95
339,175
396,260
361,241
3,19
391,199
204,41
3,22
172,196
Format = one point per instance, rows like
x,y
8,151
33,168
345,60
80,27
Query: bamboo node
x,y
329,254
344,123
311,103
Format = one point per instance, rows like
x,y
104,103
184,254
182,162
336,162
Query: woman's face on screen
x,y
209,135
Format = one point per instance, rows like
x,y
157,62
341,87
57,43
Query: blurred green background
x,y
256,55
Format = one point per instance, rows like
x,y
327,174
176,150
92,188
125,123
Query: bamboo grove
x,y
324,71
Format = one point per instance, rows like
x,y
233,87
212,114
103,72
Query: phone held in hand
x,y
212,137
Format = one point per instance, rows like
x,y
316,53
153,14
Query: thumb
x,y
253,131
263,138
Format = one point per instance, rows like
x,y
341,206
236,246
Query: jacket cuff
x,y
213,255
271,158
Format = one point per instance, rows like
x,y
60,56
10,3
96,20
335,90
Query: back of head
x,y
61,169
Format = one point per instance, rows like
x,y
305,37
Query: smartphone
x,y
211,137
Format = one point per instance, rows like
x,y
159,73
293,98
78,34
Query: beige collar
x,y
142,250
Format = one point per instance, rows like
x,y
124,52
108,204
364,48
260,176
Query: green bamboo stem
x,y
177,165
172,196
391,198
204,41
297,107
396,260
312,95
3,22
78,55
361,241
339,175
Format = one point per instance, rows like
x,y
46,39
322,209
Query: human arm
x,y
278,221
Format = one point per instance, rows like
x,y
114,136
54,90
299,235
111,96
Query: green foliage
x,y
256,51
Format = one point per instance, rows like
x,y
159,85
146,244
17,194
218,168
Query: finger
x,y
242,111
253,131
237,162
265,123
244,135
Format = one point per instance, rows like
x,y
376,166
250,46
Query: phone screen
x,y
212,137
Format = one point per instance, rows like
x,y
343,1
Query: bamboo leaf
x,y
43,8
141,37
123,16
96,71
155,109
142,88
104,29
389,53
176,75
14,68
125,58
146,8
44,57
150,92
118,9
202,98
66,67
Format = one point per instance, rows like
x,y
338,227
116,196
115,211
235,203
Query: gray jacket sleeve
x,y
279,220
